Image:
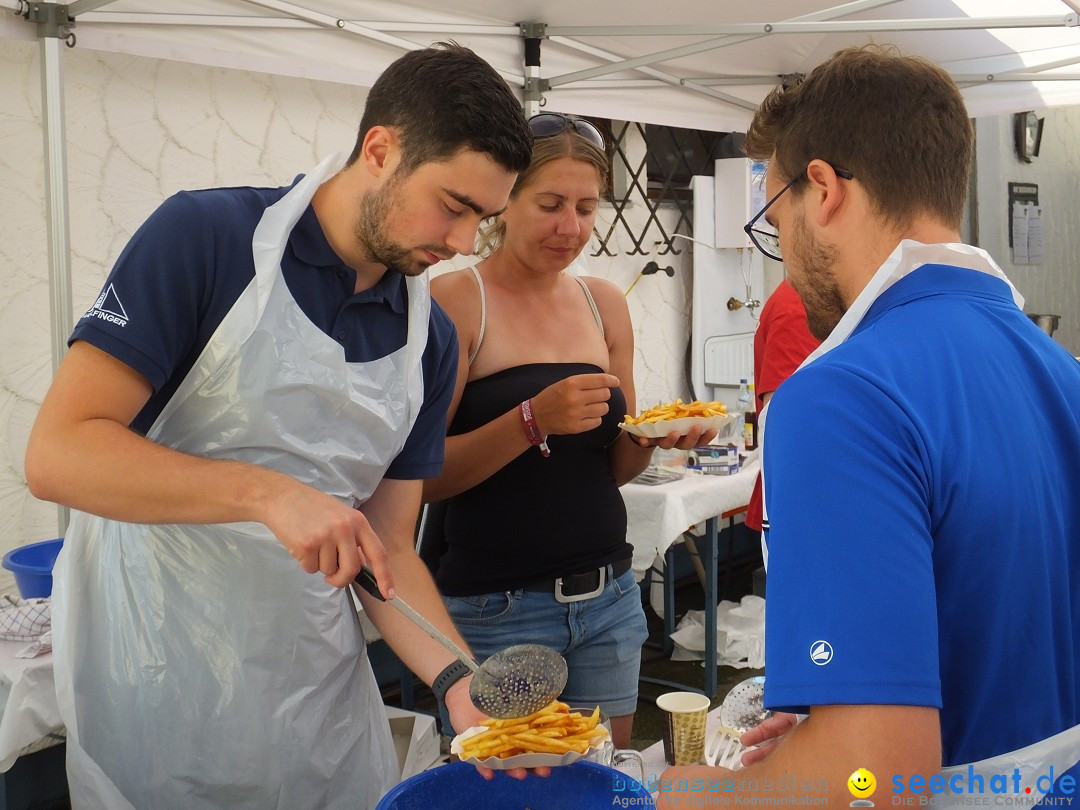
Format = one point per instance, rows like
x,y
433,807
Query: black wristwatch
x,y
453,673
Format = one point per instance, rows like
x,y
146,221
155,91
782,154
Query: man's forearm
x,y
819,755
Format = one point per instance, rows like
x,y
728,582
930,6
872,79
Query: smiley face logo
x,y
862,784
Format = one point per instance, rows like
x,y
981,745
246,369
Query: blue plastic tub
x,y
32,566
458,786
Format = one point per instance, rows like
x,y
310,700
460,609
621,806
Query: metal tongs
x,y
515,682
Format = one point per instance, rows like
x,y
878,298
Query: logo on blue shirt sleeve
x,y
821,652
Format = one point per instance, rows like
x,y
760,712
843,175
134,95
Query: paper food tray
x,y
523,760
658,430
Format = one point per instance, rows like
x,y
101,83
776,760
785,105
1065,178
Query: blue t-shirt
x,y
186,266
923,492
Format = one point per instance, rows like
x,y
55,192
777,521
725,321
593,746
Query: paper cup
x,y
685,714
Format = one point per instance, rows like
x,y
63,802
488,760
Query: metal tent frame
x,y
622,58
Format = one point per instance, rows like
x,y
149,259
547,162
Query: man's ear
x,y
380,151
827,189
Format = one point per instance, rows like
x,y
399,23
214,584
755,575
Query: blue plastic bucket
x,y
458,786
32,566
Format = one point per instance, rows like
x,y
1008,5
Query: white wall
x,y
1054,286
140,129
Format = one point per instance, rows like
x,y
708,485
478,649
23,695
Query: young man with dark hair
x,y
253,427
920,474
413,96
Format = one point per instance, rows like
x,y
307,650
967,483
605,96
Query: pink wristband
x,y
532,430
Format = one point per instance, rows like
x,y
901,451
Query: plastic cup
x,y
685,714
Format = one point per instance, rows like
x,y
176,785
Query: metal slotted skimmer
x,y
744,706
515,682
742,710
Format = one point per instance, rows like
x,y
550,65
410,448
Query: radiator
x,y
729,358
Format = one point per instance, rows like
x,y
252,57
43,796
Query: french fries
x,y
552,730
677,410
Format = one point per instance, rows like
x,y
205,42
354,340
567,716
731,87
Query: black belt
x,y
577,587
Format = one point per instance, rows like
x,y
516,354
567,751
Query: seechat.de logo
x,y
821,653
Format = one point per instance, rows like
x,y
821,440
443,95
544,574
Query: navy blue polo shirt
x,y
186,266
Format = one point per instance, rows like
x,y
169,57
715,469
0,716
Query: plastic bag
x,y
740,634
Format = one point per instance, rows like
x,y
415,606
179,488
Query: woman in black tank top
x,y
531,522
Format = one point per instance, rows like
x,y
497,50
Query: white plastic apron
x,y
1063,750
199,665
1035,762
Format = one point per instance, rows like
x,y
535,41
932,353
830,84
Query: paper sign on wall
x,y
1019,233
1027,233
1035,234
1025,223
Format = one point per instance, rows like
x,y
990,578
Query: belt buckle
x,y
581,597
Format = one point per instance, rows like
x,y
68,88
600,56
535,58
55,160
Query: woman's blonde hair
x,y
567,143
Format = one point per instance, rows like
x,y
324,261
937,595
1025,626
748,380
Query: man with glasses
x,y
920,468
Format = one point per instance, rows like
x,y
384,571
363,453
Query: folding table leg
x,y
669,627
712,541
669,598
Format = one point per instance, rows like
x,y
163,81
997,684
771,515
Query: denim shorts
x,y
600,638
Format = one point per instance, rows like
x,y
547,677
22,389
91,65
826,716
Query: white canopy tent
x,y
695,63
705,65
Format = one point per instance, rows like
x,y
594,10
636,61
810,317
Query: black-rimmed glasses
x,y
768,241
548,125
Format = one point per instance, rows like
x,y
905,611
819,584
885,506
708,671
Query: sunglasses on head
x,y
548,125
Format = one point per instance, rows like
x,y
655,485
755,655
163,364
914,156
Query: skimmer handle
x,y
366,580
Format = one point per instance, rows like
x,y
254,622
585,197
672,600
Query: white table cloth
x,y
657,516
28,710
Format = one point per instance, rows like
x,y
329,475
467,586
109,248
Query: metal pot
x,y
608,754
1048,323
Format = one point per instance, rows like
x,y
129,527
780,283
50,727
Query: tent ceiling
x,y
698,63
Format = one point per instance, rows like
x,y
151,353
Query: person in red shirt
x,y
781,343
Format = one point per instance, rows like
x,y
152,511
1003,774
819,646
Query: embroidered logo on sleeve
x,y
108,308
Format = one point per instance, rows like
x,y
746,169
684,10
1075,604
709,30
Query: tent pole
x,y
56,200
52,38
532,95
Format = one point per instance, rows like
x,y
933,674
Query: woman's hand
x,y
463,715
573,405
688,441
